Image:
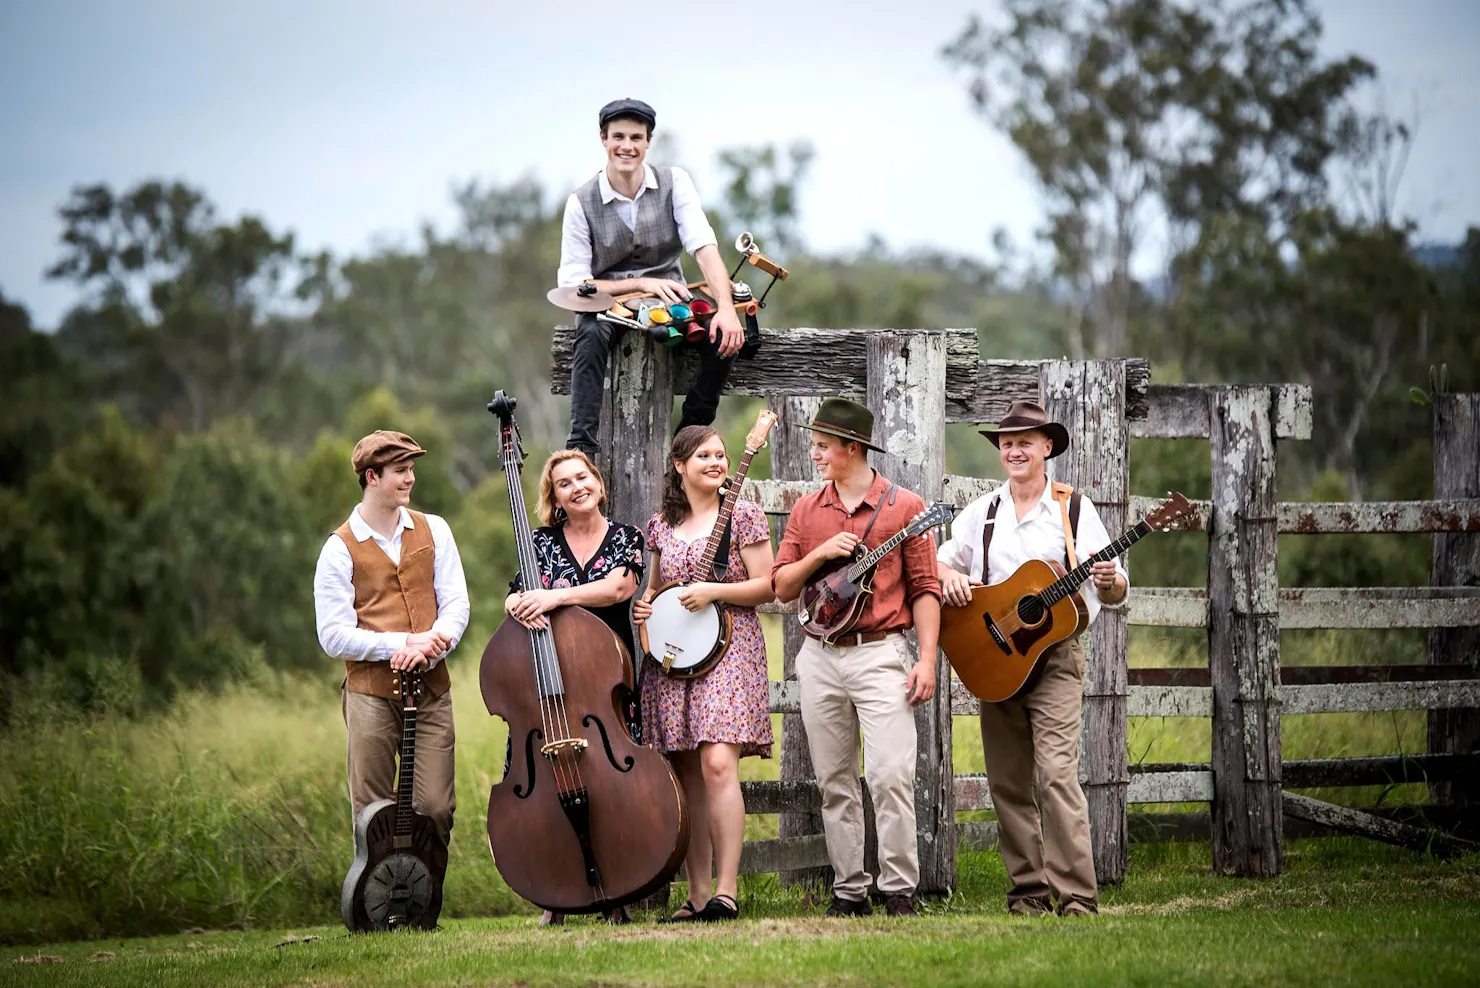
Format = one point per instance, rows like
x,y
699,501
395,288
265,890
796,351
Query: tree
x,y
1143,114
189,319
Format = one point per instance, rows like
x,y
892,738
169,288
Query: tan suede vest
x,y
393,598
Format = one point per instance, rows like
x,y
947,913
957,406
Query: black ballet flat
x,y
720,909
691,917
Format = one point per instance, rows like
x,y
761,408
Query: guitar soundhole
x,y
1030,610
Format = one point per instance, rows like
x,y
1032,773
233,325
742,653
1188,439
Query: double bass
x,y
586,819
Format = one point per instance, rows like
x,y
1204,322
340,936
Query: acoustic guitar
x,y
833,600
687,643
400,858
994,643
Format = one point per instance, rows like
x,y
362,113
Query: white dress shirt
x,y
334,592
1039,535
694,230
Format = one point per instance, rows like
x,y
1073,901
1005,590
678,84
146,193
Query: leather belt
x,y
855,638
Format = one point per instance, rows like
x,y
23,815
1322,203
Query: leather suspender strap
x,y
1064,494
987,531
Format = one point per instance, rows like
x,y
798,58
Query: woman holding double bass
x,y
585,819
585,560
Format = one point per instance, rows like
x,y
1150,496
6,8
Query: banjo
x,y
687,643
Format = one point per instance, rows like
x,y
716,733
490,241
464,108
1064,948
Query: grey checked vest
x,y
652,250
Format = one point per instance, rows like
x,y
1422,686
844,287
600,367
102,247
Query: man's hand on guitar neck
x,y
1109,584
408,659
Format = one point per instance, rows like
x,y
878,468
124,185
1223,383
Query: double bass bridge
x,y
555,747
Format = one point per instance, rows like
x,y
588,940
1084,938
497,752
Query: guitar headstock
x,y
1161,517
939,513
411,687
755,439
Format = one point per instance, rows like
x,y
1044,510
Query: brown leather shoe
x,y
901,905
848,907
1078,907
1030,907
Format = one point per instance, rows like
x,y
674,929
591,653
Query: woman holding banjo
x,y
586,560
708,723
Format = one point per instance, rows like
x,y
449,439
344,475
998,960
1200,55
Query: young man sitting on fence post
x,y
868,679
626,230
1035,734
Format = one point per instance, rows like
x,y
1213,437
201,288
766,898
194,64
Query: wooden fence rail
x,y
916,381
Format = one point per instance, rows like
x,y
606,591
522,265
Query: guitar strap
x,y
1069,502
889,495
722,556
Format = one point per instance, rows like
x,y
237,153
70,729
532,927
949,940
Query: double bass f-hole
x,y
606,743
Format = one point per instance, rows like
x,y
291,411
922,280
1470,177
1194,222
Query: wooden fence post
x,y
1088,398
634,427
791,460
634,448
1455,563
907,392
1244,636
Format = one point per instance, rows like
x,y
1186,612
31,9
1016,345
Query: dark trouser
x,y
594,340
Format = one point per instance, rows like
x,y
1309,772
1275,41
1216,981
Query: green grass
x,y
1345,912
228,810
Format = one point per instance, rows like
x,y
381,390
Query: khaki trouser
x,y
1034,737
844,689
374,728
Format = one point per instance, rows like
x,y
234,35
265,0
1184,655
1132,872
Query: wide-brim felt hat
x,y
382,448
1027,416
845,419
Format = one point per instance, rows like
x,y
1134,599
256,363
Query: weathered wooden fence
x,y
916,381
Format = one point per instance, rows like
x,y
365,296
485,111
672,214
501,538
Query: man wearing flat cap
x,y
390,598
1034,735
626,230
869,679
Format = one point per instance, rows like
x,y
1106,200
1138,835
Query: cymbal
x,y
570,298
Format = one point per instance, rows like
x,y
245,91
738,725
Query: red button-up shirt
x,y
902,575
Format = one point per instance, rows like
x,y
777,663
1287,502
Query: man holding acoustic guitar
x,y
1032,734
626,230
864,676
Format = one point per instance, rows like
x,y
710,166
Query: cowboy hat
x,y
1027,416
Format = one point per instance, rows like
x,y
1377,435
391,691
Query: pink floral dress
x,y
730,703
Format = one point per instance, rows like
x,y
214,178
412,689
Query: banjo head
x,y
689,637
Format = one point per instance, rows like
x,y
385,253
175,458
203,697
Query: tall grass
x,y
228,810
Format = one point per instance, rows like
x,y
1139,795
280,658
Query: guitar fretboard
x,y
406,772
1074,579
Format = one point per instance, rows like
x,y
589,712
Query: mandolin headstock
x,y
1161,517
939,513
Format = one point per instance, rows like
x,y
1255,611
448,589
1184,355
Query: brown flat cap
x,y
382,448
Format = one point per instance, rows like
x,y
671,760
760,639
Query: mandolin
x,y
688,643
400,858
994,643
833,600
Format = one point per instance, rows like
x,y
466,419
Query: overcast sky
x,y
347,122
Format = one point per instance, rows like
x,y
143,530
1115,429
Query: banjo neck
x,y
722,520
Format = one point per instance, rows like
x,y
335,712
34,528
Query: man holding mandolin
x,y
1033,734
863,676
